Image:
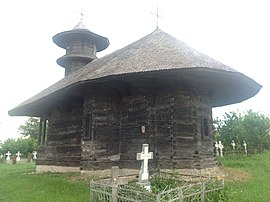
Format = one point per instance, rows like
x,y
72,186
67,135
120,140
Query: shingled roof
x,y
157,53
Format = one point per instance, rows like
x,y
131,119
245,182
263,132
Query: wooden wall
x,y
172,121
100,148
63,144
106,129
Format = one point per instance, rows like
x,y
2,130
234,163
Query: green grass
x,y
251,183
247,179
19,183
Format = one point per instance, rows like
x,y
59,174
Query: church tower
x,y
81,46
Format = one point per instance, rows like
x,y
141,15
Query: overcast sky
x,y
235,32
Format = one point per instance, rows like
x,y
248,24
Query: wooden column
x,y
44,124
40,131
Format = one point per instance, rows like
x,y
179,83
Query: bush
x,y
252,127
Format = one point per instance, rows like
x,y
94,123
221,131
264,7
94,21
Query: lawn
x,y
19,183
247,179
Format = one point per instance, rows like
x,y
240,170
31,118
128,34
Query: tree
x,y
24,145
27,143
252,127
30,128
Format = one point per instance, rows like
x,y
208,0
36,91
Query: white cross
x,y
216,146
8,155
18,154
144,156
220,146
245,147
233,145
34,155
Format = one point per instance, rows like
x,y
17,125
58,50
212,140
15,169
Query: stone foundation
x,y
185,174
58,169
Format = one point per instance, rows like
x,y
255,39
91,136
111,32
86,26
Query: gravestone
x,y
18,156
216,147
8,154
245,147
220,146
144,156
34,155
233,145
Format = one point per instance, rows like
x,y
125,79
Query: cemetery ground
x,y
246,179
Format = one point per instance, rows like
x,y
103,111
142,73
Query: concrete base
x,y
128,173
186,174
58,169
145,185
98,173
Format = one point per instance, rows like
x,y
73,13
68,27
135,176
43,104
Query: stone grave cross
x,y
34,155
233,145
216,147
144,156
18,156
8,154
245,147
220,146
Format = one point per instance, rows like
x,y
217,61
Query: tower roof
x,y
80,25
81,32
157,55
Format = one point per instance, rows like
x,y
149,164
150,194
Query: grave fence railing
x,y
197,192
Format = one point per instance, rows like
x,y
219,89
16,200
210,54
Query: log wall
x,y
63,144
173,128
100,148
107,128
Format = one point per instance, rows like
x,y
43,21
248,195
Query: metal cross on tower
x,y
157,15
81,13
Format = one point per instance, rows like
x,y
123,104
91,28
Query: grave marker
x,y
34,155
18,156
216,146
144,156
233,145
245,147
8,154
220,146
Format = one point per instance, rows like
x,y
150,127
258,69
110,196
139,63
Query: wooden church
x,y
157,90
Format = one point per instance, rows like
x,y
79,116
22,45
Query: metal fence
x,y
199,192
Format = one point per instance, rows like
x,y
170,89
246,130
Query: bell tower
x,y
81,46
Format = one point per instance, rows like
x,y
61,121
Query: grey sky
x,y
233,32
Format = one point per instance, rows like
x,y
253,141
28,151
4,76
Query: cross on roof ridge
x,y
157,16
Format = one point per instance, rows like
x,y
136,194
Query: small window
x,y
205,128
88,127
